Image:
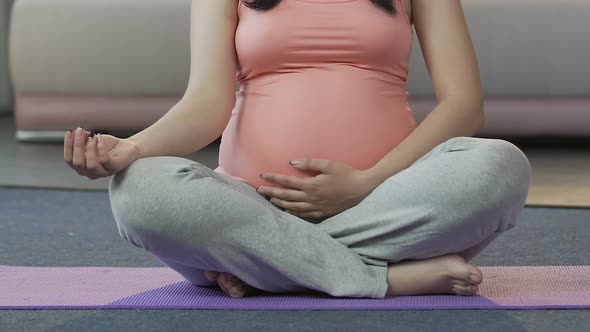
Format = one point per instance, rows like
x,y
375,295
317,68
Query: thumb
x,y
103,155
320,165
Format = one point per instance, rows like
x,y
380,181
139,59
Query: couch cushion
x,y
106,47
6,98
525,48
530,51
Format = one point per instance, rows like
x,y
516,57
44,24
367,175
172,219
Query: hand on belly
x,y
336,188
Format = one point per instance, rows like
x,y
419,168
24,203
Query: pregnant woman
x,y
326,183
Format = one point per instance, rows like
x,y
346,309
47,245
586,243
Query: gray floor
x,y
67,228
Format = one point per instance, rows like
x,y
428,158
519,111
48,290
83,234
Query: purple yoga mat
x,y
504,287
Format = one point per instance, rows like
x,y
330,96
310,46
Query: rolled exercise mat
x,y
504,287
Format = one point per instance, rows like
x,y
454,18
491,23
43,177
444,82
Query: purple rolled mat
x,y
504,287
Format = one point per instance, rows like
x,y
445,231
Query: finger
x,y
300,207
79,157
69,147
103,155
286,180
321,165
285,194
93,167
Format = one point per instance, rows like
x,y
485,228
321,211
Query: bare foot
x,y
230,284
448,274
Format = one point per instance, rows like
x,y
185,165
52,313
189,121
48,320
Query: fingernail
x,y
79,132
473,278
69,134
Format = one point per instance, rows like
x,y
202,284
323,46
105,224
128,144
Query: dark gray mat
x,y
76,228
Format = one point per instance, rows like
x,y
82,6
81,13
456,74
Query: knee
x,y
511,169
499,170
152,175
134,176
146,199
132,184
509,181
141,195
125,190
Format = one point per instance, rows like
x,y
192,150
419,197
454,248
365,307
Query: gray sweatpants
x,y
455,199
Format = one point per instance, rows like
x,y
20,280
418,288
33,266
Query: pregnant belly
x,y
264,133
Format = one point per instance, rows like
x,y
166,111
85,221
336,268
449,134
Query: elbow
x,y
479,109
482,121
476,108
472,108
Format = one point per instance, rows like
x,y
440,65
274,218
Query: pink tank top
x,y
318,79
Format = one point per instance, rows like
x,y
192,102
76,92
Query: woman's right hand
x,y
98,157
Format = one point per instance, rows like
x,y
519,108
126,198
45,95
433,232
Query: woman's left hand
x,y
336,188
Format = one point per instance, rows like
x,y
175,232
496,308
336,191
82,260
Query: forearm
x,y
187,127
451,118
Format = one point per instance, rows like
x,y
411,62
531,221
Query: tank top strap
x,y
402,11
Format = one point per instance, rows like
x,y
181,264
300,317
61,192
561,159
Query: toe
x,y
225,285
229,283
465,290
475,278
226,278
230,277
461,282
211,275
475,275
238,290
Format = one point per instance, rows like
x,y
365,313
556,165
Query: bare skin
x,y
448,274
451,60
231,285
448,53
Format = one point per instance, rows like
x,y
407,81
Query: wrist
x,y
373,177
136,147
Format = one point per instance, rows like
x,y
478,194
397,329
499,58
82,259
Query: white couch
x,y
120,65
